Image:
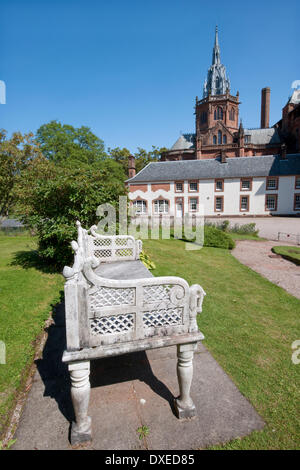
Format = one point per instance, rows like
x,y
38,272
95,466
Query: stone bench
x,y
115,306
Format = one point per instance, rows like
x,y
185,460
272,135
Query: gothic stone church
x,y
218,131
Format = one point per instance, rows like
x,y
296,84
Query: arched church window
x,y
217,82
215,140
218,114
232,114
224,139
219,137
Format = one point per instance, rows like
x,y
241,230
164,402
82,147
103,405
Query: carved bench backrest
x,y
113,248
118,311
101,311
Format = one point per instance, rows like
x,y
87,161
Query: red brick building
x,y
218,130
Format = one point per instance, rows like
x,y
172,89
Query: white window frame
x,y
191,202
161,204
270,197
190,188
272,188
140,206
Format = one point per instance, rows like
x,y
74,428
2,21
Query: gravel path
x,y
256,255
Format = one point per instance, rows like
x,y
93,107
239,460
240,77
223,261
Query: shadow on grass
x,y
32,259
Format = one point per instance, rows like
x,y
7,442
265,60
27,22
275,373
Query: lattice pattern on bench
x,y
112,324
163,317
112,248
106,296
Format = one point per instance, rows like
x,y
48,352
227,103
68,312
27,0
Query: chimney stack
x,y
283,152
223,157
265,108
131,166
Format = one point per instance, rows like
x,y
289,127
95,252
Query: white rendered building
x,y
255,186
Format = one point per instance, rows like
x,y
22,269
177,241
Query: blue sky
x,y
131,70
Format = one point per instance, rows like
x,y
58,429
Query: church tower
x,y
217,114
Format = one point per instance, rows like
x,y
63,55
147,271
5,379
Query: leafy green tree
x,y
142,157
64,144
52,197
120,156
15,154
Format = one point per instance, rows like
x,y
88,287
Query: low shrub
x,y
249,229
215,237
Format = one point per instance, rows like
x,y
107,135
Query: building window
x,y
246,184
271,202
215,140
219,137
297,182
193,186
140,207
179,187
161,206
218,113
297,202
193,204
219,185
203,117
232,114
272,183
247,139
244,203
224,139
219,203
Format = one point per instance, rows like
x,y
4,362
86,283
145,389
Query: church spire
x,y
217,82
216,50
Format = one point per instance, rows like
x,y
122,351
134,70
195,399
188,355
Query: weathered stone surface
x,y
129,391
111,311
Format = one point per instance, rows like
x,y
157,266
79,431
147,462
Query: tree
x,y
15,154
64,144
120,156
142,157
52,197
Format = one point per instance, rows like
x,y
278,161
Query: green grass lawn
x,y
26,296
292,253
245,236
249,325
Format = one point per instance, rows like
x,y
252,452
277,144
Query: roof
x,y
295,98
263,136
269,165
184,142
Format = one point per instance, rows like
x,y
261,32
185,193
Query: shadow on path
x,y
107,371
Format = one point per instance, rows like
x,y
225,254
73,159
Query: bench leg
x,y
184,405
80,394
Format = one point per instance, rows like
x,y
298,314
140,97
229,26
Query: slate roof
x,y
269,165
185,141
263,136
